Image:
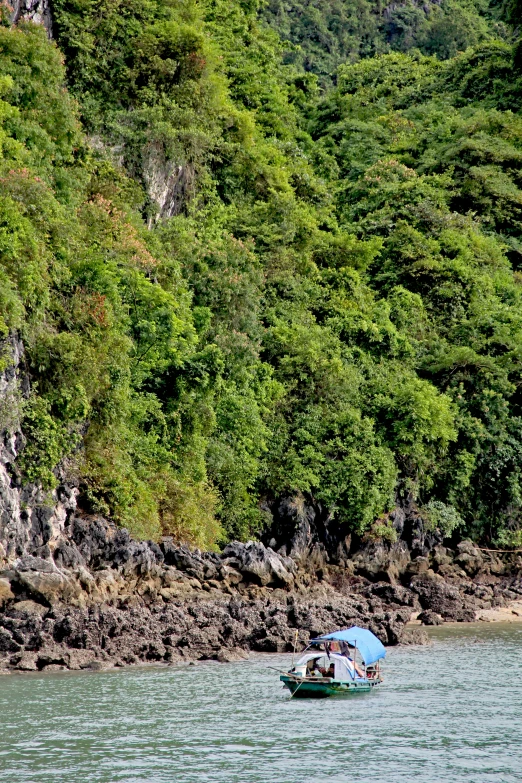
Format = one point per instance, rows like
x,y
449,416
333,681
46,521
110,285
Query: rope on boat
x,y
293,694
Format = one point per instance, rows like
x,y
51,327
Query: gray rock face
x,y
443,599
217,627
306,531
169,184
378,560
260,563
31,521
37,11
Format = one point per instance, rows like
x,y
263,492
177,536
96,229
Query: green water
x,y
449,712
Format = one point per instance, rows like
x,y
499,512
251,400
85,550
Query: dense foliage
x,y
322,34
234,286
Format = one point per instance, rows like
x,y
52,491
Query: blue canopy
x,y
369,646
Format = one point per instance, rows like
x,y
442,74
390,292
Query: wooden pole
x,y
295,644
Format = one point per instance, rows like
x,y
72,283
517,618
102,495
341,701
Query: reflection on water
x,y
449,712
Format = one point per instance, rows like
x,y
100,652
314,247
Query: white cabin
x,y
343,667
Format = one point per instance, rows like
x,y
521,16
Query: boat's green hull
x,y
320,689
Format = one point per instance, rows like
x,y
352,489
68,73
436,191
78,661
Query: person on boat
x,y
313,669
360,672
345,650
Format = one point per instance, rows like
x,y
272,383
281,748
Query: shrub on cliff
x,y
236,288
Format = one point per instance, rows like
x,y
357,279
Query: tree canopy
x,y
244,269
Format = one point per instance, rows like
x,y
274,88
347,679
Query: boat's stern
x,y
307,687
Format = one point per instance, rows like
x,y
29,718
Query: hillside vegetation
x,y
239,276
321,34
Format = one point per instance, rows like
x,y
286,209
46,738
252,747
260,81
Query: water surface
x,y
449,712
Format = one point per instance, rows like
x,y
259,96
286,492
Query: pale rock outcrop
x,y
169,184
260,562
37,11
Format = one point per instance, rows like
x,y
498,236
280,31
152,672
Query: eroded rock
x,y
260,562
443,599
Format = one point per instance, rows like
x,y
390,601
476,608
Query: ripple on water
x,y
448,712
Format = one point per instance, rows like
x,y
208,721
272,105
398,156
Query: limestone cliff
x,y
76,591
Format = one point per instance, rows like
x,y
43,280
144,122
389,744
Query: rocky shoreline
x,y
78,592
102,599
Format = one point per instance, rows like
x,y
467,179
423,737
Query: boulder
x,y
469,558
28,609
6,594
380,561
430,618
260,563
420,565
26,662
79,659
441,557
30,563
231,655
443,599
47,586
415,636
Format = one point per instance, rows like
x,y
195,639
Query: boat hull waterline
x,y
321,689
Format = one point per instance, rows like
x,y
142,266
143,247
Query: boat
x,y
342,662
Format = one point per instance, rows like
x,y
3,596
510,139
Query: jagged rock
x,y
30,563
469,548
28,609
391,627
301,530
26,661
443,599
49,587
380,561
260,562
6,594
430,618
420,565
415,636
231,576
37,11
469,558
441,557
67,555
392,594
